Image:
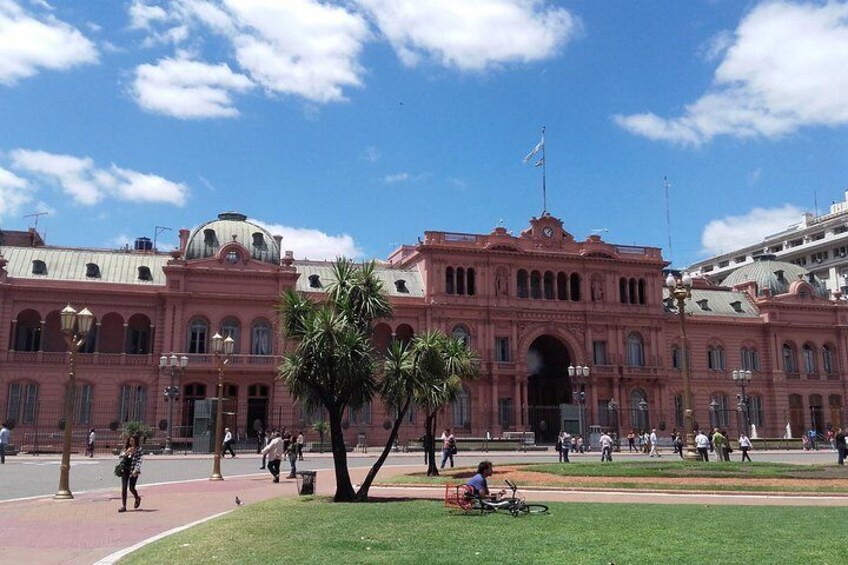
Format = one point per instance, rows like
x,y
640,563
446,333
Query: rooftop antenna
x,y
156,231
816,202
36,215
667,185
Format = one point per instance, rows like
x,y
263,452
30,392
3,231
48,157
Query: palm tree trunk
x,y
344,488
430,440
362,494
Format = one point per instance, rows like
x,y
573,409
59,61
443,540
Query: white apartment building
x,y
817,243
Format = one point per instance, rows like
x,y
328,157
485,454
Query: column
x,y
525,420
516,399
494,407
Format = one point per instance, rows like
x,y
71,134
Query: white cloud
x,y
29,43
396,177
787,68
733,232
14,193
313,244
472,35
142,15
88,185
188,89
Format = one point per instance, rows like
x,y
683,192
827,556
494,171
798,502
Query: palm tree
x,y
322,427
332,365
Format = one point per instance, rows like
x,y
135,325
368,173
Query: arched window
x,y
521,283
360,416
535,284
632,291
750,359
622,290
230,327
82,403
138,335
575,287
809,352
676,357
198,334
471,285
260,338
461,333
549,285
816,413
719,411
460,280
39,267
635,350
827,359
461,410
715,358
191,393
562,286
92,271
642,299
449,281
28,331
789,363
639,418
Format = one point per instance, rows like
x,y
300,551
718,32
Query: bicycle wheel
x,y
524,508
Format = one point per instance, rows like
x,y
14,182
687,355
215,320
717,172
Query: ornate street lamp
x,y
223,350
743,378
172,392
681,289
579,376
75,327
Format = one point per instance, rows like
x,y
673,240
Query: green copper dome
x,y
774,275
208,238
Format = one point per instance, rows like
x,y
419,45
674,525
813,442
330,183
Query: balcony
x,y
259,362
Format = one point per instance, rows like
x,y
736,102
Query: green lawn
x,y
550,474
316,531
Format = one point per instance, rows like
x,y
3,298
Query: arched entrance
x,y
548,386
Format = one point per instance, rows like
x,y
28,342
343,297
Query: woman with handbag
x,y
130,469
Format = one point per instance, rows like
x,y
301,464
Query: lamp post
x,y
75,328
743,378
714,412
681,289
223,349
172,392
580,377
613,407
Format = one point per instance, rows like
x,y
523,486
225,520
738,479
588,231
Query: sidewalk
x,y
89,528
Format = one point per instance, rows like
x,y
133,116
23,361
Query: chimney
x,y
184,233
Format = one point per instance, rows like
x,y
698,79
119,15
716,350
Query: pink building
x,y
531,305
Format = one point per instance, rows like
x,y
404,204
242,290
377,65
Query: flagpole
x,y
544,184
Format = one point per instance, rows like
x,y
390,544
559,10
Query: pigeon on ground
x,y
238,501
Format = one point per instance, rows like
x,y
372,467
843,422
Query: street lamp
x,y
579,376
681,289
75,327
743,378
223,349
613,407
172,392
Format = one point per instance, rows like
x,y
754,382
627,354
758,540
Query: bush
x,y
140,429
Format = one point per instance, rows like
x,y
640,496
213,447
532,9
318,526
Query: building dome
x,y
774,275
208,238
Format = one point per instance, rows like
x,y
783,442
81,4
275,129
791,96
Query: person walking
x,y
702,444
290,450
744,446
631,441
448,446
300,443
130,461
228,443
261,441
89,444
274,452
678,444
266,439
606,447
653,440
5,440
566,447
720,445
840,446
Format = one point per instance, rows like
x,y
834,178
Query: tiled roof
x,y
718,303
765,271
324,270
118,267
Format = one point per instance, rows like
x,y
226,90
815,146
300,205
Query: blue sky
x,y
351,127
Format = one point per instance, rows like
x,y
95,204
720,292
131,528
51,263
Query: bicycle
x,y
515,504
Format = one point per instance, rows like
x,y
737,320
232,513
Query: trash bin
x,y
306,482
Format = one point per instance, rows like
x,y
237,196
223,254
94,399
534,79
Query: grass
x,y
316,531
739,476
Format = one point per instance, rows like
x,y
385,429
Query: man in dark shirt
x,y
840,446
